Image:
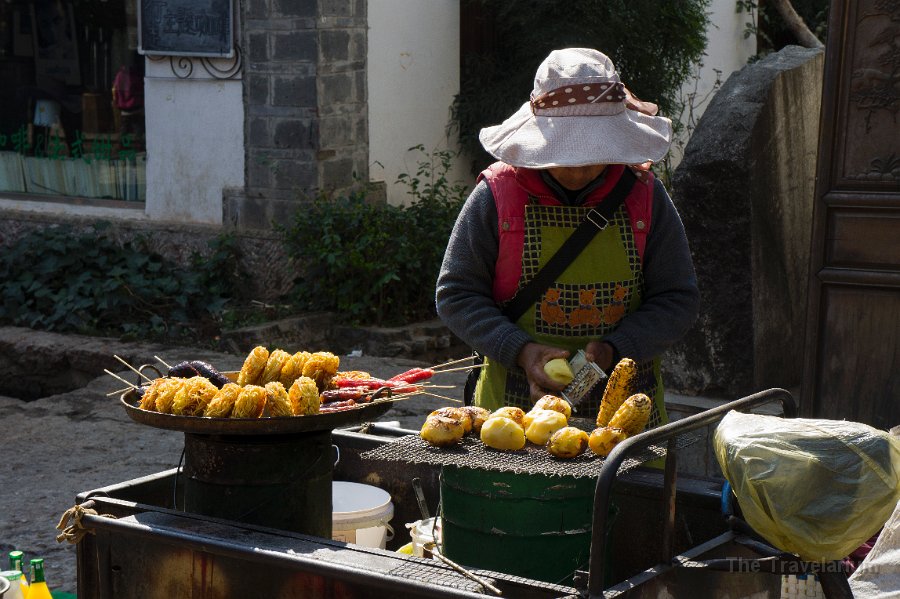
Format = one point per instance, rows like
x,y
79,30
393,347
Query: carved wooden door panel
x,y
852,351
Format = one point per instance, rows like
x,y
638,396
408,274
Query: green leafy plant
x,y
654,45
57,279
375,263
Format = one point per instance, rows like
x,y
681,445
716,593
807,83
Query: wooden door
x,y
852,350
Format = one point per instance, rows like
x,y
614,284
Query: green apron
x,y
587,301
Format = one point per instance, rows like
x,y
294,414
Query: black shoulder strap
x,y
596,220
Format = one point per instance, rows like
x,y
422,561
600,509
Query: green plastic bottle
x,y
16,562
38,588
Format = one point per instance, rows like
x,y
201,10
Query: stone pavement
x,y
58,446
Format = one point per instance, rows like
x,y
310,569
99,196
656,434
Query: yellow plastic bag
x,y
817,488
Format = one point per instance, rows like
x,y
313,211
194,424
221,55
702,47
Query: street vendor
x,y
582,141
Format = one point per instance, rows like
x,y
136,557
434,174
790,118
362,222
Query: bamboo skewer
x,y
444,397
163,362
435,367
460,368
141,374
116,376
118,391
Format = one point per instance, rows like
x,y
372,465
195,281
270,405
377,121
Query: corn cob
x,y
602,440
277,399
293,368
277,359
321,367
250,403
148,399
253,366
194,395
633,415
304,397
221,405
166,395
618,388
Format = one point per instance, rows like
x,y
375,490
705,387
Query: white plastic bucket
x,y
361,514
423,532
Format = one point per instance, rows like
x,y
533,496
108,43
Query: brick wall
x,y
305,105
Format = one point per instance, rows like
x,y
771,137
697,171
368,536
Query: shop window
x,y
72,122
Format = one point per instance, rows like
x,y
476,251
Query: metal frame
x,y
666,433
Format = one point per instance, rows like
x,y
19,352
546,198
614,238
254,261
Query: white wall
x,y
195,143
413,74
727,51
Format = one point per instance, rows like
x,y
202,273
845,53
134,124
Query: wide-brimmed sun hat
x,y
579,114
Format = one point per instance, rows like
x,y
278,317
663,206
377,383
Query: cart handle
x,y
656,436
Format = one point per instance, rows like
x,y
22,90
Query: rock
x,y
744,191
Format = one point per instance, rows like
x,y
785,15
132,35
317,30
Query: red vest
x,y
512,186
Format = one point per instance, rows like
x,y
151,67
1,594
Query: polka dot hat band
x,y
596,98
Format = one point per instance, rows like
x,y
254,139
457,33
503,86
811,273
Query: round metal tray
x,y
282,425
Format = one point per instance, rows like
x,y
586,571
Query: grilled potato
x,y
478,416
544,423
552,402
517,415
602,440
442,431
502,433
568,442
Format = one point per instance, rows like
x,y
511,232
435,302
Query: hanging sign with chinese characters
x,y
186,28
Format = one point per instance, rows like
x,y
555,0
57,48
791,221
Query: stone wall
x,y
262,253
745,192
305,105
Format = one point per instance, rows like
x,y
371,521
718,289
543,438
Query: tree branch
x,y
795,24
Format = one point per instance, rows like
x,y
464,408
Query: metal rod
x,y
460,569
669,483
420,498
638,443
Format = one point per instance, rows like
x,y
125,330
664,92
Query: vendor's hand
x,y
532,359
600,353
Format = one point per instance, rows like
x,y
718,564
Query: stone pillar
x,y
745,192
305,105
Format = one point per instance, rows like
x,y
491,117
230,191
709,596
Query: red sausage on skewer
x,y
337,406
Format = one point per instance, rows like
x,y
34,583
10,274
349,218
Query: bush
x,y
375,263
653,45
60,280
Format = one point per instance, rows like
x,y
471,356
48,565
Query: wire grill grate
x,y
472,453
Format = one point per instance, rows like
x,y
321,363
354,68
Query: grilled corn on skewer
x,y
277,399
272,372
222,404
253,366
618,389
304,397
633,415
250,403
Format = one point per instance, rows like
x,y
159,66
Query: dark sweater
x,y
465,285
